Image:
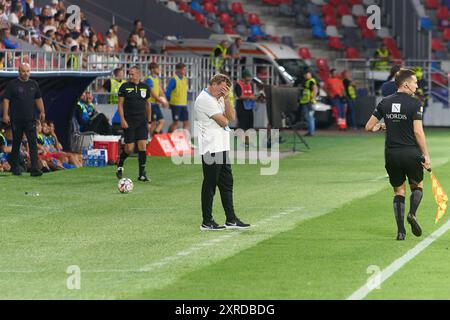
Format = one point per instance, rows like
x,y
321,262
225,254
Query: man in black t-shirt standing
x,y
406,152
135,118
22,96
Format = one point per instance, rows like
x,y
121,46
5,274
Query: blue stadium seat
x,y
318,33
315,21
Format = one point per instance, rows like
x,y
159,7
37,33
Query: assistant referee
x,y
135,119
406,152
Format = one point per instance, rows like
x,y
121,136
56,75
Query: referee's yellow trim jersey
x,y
155,88
178,96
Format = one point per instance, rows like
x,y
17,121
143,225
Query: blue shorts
x,y
179,113
156,112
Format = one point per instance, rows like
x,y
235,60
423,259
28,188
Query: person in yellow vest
x,y
176,93
350,96
383,58
219,55
72,59
112,85
157,98
307,100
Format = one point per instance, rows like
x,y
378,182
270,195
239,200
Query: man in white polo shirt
x,y
213,112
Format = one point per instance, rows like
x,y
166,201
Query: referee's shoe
x,y
415,228
211,226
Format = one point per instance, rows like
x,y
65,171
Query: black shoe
x,y
119,172
236,224
16,171
36,173
211,226
309,135
415,228
401,236
143,177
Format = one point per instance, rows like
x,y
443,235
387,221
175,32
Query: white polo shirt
x,y
211,137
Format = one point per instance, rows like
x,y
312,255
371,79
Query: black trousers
x,y
18,129
99,124
217,172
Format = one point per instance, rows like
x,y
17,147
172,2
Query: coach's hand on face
x,y
225,91
124,124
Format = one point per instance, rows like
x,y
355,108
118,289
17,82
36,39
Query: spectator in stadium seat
x,y
50,43
7,39
137,25
89,118
21,97
113,84
389,87
54,7
4,23
131,47
383,56
16,14
142,41
157,98
350,96
114,40
335,90
176,94
235,49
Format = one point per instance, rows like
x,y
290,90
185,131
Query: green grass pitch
x,y
317,226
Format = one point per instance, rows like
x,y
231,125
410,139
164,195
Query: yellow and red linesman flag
x,y
440,196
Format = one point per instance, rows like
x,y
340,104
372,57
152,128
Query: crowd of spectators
x,y
47,27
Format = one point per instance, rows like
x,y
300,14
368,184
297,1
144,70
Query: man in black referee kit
x,y
213,112
135,118
406,152
22,96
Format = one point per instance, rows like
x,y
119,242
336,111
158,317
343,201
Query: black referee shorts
x,y
404,162
137,130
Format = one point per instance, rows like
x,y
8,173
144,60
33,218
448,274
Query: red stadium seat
x,y
335,43
436,45
335,3
439,78
322,64
183,6
447,34
225,19
353,2
368,33
304,53
253,19
200,19
209,7
228,29
443,13
390,43
236,8
343,10
352,53
361,21
328,9
432,4
271,2
330,20
395,54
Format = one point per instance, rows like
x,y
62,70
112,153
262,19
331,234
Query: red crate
x,y
111,146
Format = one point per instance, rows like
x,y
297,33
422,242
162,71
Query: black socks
x,y
415,198
399,213
142,160
123,156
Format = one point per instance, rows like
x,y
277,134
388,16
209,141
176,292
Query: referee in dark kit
x,y
22,96
406,152
135,118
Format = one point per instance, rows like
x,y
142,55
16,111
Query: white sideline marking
x,y
198,247
385,274
379,178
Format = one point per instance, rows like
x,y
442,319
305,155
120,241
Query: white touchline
x,y
385,274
